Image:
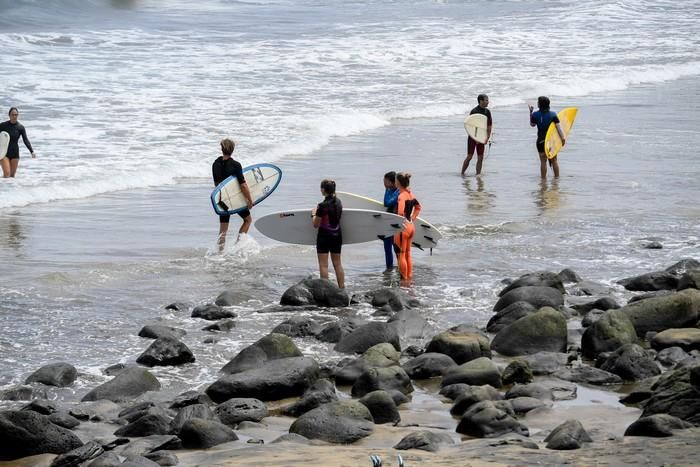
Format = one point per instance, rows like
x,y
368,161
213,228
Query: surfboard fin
x,y
396,226
425,225
376,216
381,237
418,246
376,460
429,238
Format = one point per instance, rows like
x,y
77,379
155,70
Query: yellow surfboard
x,y
552,142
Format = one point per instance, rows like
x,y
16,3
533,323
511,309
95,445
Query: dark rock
x,y
453,391
341,422
654,245
631,363
410,324
55,374
562,390
476,372
671,356
471,395
107,459
298,326
178,306
334,332
569,275
138,461
203,434
509,315
518,442
381,356
18,393
690,280
604,303
582,288
321,392
650,281
486,420
591,317
635,397
320,292
382,407
523,405
162,458
240,409
535,296
657,426
424,440
212,312
273,380
393,298
428,365
687,339
225,325
387,379
536,279
683,266
364,337
136,411
231,297
613,330
154,331
77,456
291,438
64,419
544,330
127,385
188,413
26,433
349,370
568,435
166,351
676,393
268,348
151,424
41,406
517,371
461,346
588,375
190,398
545,363
533,390
675,310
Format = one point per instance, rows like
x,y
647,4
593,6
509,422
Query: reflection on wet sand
x,y
548,197
478,199
11,233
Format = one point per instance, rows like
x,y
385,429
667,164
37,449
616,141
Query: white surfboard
x,y
477,127
357,226
4,143
262,179
426,236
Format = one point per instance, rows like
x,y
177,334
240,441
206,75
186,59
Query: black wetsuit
x,y
15,130
221,170
329,238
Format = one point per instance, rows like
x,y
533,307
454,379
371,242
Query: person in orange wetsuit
x,y
408,207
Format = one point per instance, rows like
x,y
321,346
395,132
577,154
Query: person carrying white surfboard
x,y
542,118
326,219
222,168
10,161
408,207
472,144
391,200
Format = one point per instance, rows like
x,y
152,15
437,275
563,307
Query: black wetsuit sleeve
x,y
555,119
238,173
23,132
216,172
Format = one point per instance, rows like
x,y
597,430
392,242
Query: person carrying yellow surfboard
x,y
542,118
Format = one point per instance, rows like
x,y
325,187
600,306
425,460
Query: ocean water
x,y
125,102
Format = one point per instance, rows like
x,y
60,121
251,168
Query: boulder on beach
x,y
381,356
190,398
212,312
166,351
486,420
232,297
382,407
603,303
319,393
476,373
79,455
364,337
198,433
150,424
224,325
298,326
471,395
683,266
27,433
341,422
517,371
154,331
391,299
534,390
649,282
536,296
509,315
424,440
569,276
545,363
267,348
674,310
335,331
188,413
569,435
588,375
676,393
272,380
319,292
241,409
544,330
657,426
461,346
612,330
671,356
536,279
428,365
410,324
59,374
690,280
392,378
631,363
129,384
687,339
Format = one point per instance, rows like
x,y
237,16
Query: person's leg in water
x,y
14,163
223,229
338,267
389,252
479,162
322,265
554,163
406,247
543,165
247,221
471,146
6,168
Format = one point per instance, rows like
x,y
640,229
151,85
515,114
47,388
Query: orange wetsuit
x,y
409,208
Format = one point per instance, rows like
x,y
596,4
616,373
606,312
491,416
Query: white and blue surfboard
x,y
262,179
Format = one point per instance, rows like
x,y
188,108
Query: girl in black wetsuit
x,y
326,218
15,129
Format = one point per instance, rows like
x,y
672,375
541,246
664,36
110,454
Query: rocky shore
x,y
458,396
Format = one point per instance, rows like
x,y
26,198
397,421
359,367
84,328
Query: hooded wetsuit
x,y
408,207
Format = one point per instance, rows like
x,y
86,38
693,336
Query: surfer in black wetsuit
x,y
15,129
326,218
472,145
222,168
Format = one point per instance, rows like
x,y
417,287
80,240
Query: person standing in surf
x,y
329,240
222,168
472,145
391,199
542,118
408,207
15,129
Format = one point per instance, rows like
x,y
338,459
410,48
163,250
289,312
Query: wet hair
x,y
404,179
11,109
543,103
328,186
481,97
391,176
227,146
